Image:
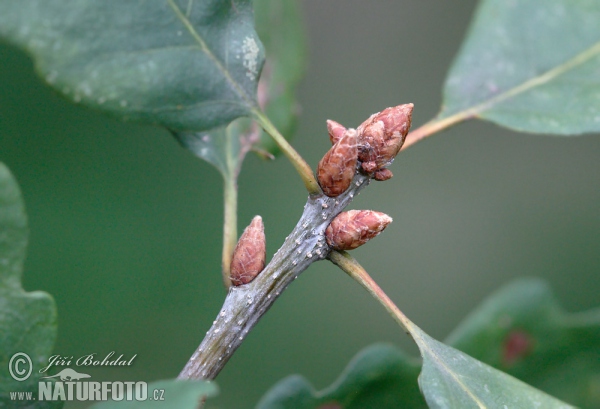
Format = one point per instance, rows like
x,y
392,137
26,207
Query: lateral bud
x,y
383,174
336,131
250,253
382,135
336,169
351,229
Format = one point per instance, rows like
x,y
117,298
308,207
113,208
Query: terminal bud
x,y
337,168
250,254
382,135
351,229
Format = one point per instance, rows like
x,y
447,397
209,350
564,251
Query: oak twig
x,y
246,304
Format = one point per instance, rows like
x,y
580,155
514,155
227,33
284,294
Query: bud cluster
x,y
373,145
370,148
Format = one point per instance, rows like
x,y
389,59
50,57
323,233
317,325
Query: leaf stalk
x,y
350,266
305,172
229,225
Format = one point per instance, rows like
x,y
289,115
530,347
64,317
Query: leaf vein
x,y
425,345
479,109
204,47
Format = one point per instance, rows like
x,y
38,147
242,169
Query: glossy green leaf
x,y
523,331
452,379
381,376
280,27
27,320
175,394
183,64
529,65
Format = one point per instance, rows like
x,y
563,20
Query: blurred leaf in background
x,y
280,26
173,394
380,376
27,319
522,330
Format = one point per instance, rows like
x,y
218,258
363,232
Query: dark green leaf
x,y
27,320
183,64
523,331
531,66
279,26
178,394
282,33
381,376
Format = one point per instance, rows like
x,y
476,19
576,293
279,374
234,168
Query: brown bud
x,y
354,228
336,169
382,135
249,254
336,131
383,174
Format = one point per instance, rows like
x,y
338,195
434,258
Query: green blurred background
x,y
126,225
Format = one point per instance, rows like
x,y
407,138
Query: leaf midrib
x,y
440,362
204,48
532,83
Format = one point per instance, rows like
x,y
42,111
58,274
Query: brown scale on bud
x,y
250,254
336,131
382,135
383,174
351,229
337,168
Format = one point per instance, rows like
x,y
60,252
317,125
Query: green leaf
x,y
183,64
520,329
452,379
381,376
27,320
531,66
280,27
523,331
178,394
282,34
